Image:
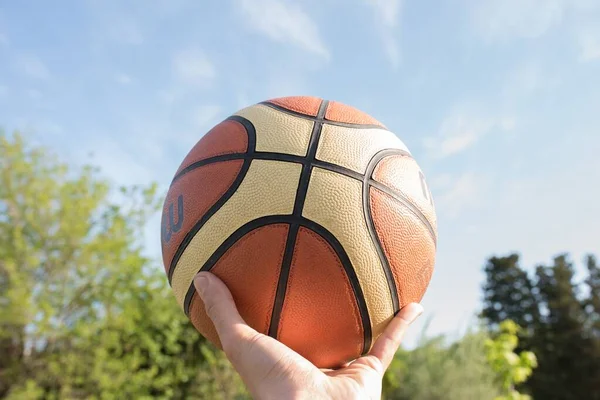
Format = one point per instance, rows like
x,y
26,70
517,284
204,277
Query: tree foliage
x,y
436,370
83,313
511,368
560,327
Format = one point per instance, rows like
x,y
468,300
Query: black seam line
x,y
259,155
298,206
373,233
267,155
327,121
393,193
309,159
251,131
284,275
411,207
313,226
224,157
207,161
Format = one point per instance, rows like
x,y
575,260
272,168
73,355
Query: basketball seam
x,y
385,264
282,280
227,244
282,157
251,132
394,193
385,250
326,121
409,205
318,229
268,155
352,278
297,211
341,268
388,189
383,241
288,283
293,108
274,289
221,157
254,155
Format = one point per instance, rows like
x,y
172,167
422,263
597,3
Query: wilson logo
x,y
169,226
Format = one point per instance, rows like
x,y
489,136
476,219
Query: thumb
x,y
221,309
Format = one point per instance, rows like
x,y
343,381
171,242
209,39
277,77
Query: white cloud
x,y
504,19
387,14
500,20
32,66
123,78
525,79
390,46
284,22
194,67
457,132
589,44
457,193
387,11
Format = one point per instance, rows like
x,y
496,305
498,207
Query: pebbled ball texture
x,y
313,213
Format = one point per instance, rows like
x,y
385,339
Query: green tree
x,y
592,304
509,294
436,370
567,368
559,325
593,301
511,368
83,313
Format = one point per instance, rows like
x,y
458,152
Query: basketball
x,y
316,217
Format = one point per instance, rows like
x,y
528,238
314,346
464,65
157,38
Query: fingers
x,y
387,344
254,355
221,309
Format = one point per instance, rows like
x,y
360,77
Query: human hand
x,y
271,370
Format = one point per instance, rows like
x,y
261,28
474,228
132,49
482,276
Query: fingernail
x,y
412,313
201,283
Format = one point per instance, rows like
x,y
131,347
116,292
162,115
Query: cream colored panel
x,y
353,148
335,202
277,131
269,188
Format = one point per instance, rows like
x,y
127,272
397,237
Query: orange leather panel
x,y
302,104
202,322
228,137
340,112
199,190
320,305
403,175
406,242
250,269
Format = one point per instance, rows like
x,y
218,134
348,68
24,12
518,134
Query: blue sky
x,y
498,101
